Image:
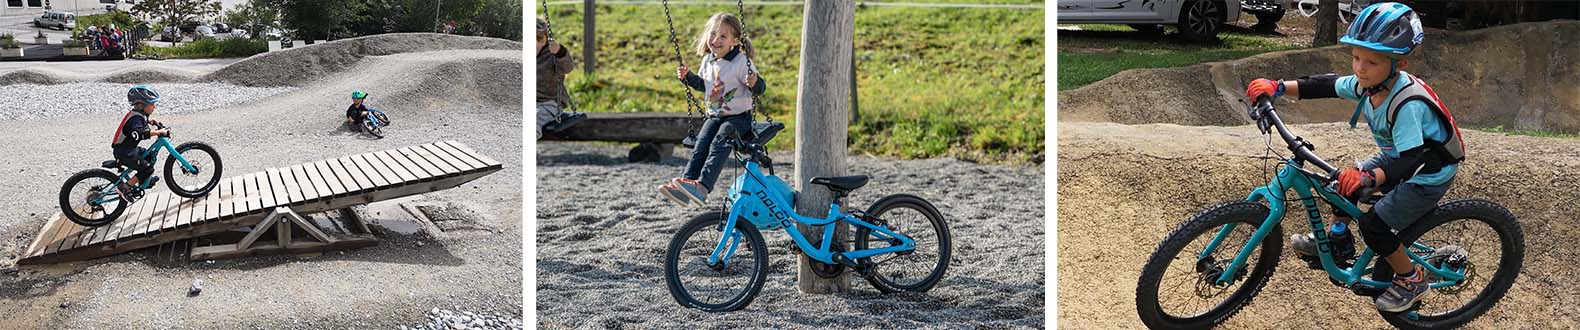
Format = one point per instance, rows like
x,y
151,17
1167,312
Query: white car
x,y
203,31
1195,19
56,19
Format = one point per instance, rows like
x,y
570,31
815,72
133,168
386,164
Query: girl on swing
x,y
731,84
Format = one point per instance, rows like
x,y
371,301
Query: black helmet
x,y
142,95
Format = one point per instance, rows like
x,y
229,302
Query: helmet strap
x,y
1393,72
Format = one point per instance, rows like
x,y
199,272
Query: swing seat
x,y
761,133
566,120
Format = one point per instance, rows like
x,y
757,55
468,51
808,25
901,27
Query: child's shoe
x,y
694,190
671,191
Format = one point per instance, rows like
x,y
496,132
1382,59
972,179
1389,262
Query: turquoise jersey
x,y
1416,123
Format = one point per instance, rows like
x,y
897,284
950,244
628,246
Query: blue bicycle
x,y
89,197
1209,268
374,122
717,261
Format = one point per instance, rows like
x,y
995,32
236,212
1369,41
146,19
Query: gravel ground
x,y
602,232
475,268
441,319
104,99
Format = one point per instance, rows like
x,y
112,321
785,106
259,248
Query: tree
x,y
1327,24
255,16
177,12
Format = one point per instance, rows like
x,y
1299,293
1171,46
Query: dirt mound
x,y
32,76
151,75
1514,75
299,66
1122,188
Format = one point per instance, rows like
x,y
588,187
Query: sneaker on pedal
x,y
124,192
1339,235
1404,293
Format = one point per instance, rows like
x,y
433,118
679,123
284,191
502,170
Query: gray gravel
x,y
602,232
43,101
444,319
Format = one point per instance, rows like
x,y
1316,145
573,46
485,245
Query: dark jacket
x,y
552,69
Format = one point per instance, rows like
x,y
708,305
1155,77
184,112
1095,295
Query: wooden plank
x,y
356,173
232,203
421,162
139,224
286,195
156,212
400,170
314,181
249,188
184,212
69,232
115,228
474,153
432,159
460,155
433,152
172,211
369,171
421,173
345,177
45,235
303,184
376,166
331,179
214,199
62,230
277,188
266,186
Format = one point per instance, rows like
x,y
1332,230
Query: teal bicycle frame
x,y
109,194
1293,177
766,200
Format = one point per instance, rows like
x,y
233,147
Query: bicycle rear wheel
x,y
917,270
1474,237
1179,288
372,128
89,198
715,287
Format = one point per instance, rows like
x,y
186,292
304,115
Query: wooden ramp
x,y
275,193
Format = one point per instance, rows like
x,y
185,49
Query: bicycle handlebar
x,y
1267,118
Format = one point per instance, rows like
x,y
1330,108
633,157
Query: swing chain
x,y
741,5
691,101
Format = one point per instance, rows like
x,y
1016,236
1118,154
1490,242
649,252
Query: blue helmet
x,y
1389,27
142,95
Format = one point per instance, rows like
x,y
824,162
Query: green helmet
x,y
359,95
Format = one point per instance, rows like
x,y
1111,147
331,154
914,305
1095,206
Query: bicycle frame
x,y
787,220
373,118
1292,177
152,154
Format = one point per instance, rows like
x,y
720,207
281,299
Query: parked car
x,y
203,31
221,28
56,19
1195,19
171,34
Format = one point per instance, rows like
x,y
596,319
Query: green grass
x,y
120,19
932,82
210,48
1529,132
1100,51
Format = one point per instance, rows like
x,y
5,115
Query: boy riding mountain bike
x,y
1420,147
134,128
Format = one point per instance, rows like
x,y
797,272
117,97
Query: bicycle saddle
x,y
841,183
111,164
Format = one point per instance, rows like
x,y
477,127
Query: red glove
x,y
1260,87
1352,180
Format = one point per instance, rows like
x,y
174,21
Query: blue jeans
x,y
708,157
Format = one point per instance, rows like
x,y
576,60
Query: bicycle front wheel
x,y
715,286
1475,238
1180,287
193,184
917,270
372,128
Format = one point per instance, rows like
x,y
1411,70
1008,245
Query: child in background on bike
x,y
1420,146
134,128
554,62
357,110
731,84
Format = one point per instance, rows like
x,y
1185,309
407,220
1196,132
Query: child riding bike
x,y
134,128
1420,147
731,85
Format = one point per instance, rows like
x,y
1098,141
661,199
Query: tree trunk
x,y
1327,23
822,106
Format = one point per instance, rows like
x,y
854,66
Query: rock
x,y
197,288
65,304
419,243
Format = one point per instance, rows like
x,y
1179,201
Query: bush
x,y
210,48
120,19
73,43
8,41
